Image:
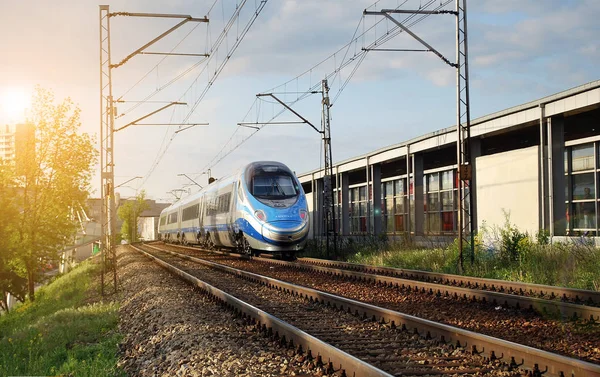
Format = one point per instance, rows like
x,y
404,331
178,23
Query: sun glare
x,y
13,104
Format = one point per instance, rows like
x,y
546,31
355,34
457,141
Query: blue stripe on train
x,y
242,224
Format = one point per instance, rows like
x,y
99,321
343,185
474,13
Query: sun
x,y
13,104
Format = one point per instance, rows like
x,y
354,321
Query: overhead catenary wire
x,y
229,52
389,37
309,70
159,89
223,35
157,64
162,151
359,57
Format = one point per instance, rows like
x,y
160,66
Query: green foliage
x,y
10,281
543,237
50,176
500,253
129,213
59,334
513,242
345,246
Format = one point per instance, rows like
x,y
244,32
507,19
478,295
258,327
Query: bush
x,y
346,246
500,253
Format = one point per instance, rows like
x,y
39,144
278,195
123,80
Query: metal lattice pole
x,y
465,226
107,121
106,144
329,205
463,130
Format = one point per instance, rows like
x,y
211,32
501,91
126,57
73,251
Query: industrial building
x,y
537,163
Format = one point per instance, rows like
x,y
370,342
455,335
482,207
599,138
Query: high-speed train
x,y
261,208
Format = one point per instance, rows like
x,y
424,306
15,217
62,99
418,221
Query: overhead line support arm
x,y
290,109
386,13
139,50
173,54
420,11
150,114
158,15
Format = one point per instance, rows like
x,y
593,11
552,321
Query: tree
x,y
10,282
53,173
129,213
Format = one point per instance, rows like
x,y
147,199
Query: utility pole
x,y
465,226
325,131
107,124
329,205
106,142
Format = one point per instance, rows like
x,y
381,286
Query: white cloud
x,y
519,50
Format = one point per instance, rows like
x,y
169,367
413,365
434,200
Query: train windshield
x,y
273,186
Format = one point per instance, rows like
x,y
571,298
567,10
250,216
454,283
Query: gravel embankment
x,y
172,329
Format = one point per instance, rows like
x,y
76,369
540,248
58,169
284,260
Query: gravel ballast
x,y
573,339
172,329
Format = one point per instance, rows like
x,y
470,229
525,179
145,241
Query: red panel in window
x,y
447,221
399,219
363,224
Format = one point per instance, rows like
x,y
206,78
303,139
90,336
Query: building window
x,y
581,195
394,205
358,210
441,200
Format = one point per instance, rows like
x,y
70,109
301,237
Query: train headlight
x,y
260,214
303,215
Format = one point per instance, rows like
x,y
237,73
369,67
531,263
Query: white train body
x,y
262,208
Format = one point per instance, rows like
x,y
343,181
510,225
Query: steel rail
x,y
479,293
577,295
543,306
515,355
287,333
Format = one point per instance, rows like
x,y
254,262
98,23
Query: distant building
x,y
148,228
147,222
16,140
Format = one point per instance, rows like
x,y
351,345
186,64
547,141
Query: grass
x,y
574,265
61,333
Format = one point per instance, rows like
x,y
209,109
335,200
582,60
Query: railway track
x,y
577,296
578,339
482,353
497,292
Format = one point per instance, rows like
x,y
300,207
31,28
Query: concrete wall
x,y
148,228
509,181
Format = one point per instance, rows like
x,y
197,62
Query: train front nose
x,y
284,231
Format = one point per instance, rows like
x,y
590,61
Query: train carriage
x,y
261,208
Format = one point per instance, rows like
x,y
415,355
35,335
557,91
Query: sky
x,y
519,51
